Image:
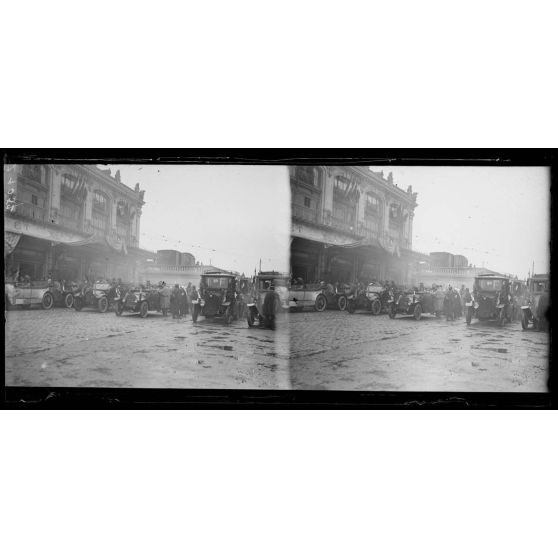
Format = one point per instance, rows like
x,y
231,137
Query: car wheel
x,y
376,307
351,306
144,309
103,304
78,304
417,312
68,300
195,313
48,301
342,303
321,303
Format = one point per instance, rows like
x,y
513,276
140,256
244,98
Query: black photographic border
x,y
130,398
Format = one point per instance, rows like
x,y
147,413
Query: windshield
x,y
489,284
216,282
540,286
264,284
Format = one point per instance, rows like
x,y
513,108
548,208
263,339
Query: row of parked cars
x,y
494,297
227,297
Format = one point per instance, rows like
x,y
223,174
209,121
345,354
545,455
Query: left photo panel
x,y
147,276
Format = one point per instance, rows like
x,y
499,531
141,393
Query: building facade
x,y
350,223
71,222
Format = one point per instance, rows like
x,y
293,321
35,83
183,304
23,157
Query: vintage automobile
x,y
63,294
269,297
367,298
491,299
27,293
95,296
416,303
318,296
217,297
136,300
535,309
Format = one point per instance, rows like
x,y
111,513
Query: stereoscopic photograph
x,y
277,277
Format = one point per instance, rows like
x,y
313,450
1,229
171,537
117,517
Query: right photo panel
x,y
419,278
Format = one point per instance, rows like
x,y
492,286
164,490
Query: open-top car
x,y
269,297
217,297
366,298
63,294
137,300
535,309
95,296
318,296
416,303
27,293
491,299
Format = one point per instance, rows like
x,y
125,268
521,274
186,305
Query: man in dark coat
x,y
449,304
268,308
164,293
183,302
175,302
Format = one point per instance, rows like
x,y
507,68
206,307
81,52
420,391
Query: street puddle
x,y
495,349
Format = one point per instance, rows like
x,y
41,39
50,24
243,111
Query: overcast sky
x,y
498,217
229,215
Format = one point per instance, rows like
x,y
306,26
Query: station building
x,y
70,222
350,223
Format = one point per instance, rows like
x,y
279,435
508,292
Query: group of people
x,y
177,300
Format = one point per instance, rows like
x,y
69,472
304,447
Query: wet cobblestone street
x,y
309,350
65,348
338,351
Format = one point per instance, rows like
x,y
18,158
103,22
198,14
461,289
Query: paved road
x,y
65,348
336,350
310,350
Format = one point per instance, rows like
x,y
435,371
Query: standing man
x,y
183,302
175,302
461,295
165,293
468,305
449,305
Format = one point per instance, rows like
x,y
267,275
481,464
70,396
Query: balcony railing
x,y
305,213
30,211
343,225
368,230
68,222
